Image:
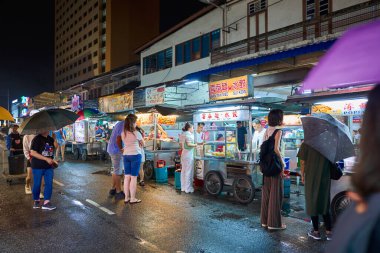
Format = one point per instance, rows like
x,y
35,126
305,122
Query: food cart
x,y
159,148
223,163
85,143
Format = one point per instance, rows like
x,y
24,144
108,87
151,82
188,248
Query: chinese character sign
x,y
155,95
75,103
343,108
236,115
238,87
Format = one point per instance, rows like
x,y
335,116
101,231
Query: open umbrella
x,y
328,136
48,120
87,113
5,114
353,60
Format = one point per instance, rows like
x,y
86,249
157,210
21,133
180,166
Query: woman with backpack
x,y
272,190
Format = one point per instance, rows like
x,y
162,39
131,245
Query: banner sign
x,y
167,120
341,108
116,103
155,95
236,115
75,103
238,87
139,98
144,119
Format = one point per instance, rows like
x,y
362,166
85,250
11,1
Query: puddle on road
x,y
227,216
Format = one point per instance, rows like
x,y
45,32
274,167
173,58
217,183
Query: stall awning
x,y
128,87
262,59
350,93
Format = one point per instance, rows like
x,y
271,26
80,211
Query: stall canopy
x,y
164,109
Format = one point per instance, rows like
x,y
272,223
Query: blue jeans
x,y
48,175
132,164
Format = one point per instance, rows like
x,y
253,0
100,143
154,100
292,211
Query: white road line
x,y
100,207
58,183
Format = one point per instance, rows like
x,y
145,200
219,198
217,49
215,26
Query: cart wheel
x,y
339,203
84,155
243,188
214,183
76,154
148,170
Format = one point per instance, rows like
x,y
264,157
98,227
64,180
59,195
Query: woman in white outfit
x,y
187,158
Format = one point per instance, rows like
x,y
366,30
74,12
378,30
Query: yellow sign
x,y
144,119
237,87
167,120
116,103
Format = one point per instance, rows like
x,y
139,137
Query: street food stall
x,y
223,163
160,144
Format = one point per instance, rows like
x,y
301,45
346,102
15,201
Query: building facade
x,y
95,36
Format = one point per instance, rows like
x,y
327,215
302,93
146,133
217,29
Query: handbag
x,y
335,172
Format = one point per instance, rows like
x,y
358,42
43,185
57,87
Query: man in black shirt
x,y
15,140
42,152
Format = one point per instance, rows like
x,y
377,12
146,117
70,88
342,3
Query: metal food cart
x,y
85,143
158,149
223,163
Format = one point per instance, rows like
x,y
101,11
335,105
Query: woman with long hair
x,y
358,228
187,158
133,143
271,201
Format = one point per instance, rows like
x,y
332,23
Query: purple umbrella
x,y
353,60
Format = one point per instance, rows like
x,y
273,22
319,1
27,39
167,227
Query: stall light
x,y
307,92
255,108
191,82
254,74
342,102
230,108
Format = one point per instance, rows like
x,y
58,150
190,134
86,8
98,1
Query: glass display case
x,y
221,143
291,142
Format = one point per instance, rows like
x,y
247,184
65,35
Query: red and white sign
x,y
235,115
155,96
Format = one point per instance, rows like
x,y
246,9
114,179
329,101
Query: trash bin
x,y
161,175
16,164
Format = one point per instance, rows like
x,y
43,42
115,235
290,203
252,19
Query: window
x,y
89,57
179,54
158,61
89,68
96,17
196,49
95,41
95,66
84,71
95,29
95,54
312,8
187,52
205,45
257,6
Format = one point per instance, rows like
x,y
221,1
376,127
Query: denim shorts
x,y
132,164
117,164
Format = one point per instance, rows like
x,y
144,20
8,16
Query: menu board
x,y
235,115
138,98
155,95
144,119
237,87
342,108
80,131
116,103
167,120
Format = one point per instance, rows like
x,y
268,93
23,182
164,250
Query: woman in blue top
x,y
60,139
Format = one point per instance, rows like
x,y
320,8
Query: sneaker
x,y
315,235
142,183
28,190
112,192
48,206
119,195
329,236
42,196
36,205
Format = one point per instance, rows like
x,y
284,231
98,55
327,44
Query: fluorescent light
x,y
220,109
191,82
254,74
307,92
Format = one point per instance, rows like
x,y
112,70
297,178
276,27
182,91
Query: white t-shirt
x,y
26,143
131,142
257,139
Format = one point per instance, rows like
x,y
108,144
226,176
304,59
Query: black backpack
x,y
270,163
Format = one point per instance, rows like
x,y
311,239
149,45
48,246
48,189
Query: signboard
x,y
292,120
144,119
80,131
116,103
167,120
238,87
138,98
235,115
75,103
342,108
155,95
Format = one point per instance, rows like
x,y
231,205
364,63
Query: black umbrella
x,y
48,120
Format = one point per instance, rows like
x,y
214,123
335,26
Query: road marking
x,y
58,183
100,207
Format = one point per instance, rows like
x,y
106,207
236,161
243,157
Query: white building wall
x,y
341,4
196,94
284,13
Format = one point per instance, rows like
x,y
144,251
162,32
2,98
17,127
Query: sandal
x,y
264,225
135,202
127,201
283,227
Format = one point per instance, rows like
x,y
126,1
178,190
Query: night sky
x,y
27,42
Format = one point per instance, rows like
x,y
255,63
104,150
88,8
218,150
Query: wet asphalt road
x,y
165,221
